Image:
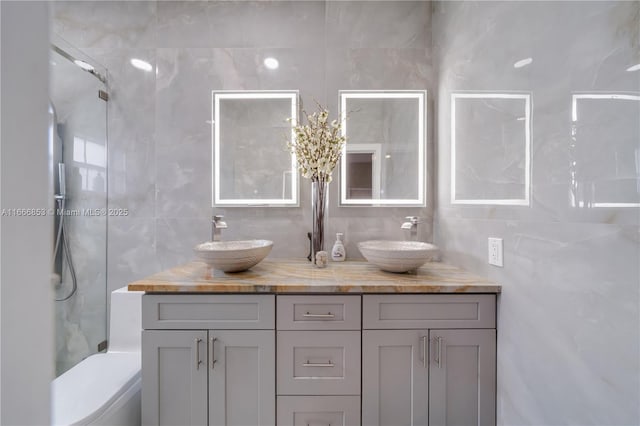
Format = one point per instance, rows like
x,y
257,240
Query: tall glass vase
x,y
319,207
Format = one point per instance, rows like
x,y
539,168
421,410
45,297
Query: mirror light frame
x,y
421,97
526,201
574,118
216,96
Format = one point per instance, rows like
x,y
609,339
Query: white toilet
x,y
104,389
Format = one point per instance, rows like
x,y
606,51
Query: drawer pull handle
x,y
424,352
316,364
309,424
213,352
438,342
328,315
198,362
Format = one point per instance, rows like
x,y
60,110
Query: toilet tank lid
x,y
88,389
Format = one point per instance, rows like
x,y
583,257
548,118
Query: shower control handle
x,y
62,186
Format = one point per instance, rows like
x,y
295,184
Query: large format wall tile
x,y
569,301
563,65
121,24
241,24
131,122
176,238
184,179
568,347
131,250
187,77
377,69
379,24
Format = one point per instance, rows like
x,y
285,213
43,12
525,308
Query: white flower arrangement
x,y
317,145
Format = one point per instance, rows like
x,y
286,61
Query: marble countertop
x,y
299,276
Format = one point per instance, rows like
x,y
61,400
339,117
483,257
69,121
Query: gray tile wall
x,y
568,341
159,137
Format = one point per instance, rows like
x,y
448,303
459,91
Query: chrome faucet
x,y
411,226
217,225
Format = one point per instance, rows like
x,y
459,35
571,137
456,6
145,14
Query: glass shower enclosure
x,y
78,164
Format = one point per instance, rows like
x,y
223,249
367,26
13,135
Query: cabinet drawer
x,y
319,312
429,311
207,311
318,411
318,363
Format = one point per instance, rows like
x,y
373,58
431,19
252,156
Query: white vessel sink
x,y
233,256
398,256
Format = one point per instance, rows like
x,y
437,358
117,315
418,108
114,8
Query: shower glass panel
x,y
78,161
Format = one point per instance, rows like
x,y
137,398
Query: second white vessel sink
x,y
398,256
233,256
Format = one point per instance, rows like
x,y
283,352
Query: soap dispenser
x,y
338,253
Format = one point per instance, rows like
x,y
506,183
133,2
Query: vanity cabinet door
x,y
174,374
395,377
241,377
462,377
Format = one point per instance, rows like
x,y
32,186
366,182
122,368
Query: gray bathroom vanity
x,y
288,344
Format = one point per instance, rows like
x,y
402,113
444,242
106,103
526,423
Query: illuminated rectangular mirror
x,y
604,151
383,161
490,148
251,165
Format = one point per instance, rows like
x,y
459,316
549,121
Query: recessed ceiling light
x,y
387,156
271,63
141,65
523,63
635,67
84,65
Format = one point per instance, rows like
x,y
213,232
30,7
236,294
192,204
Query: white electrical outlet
x,y
495,252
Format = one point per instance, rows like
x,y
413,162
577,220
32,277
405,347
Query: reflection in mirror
x,y
363,171
251,163
384,157
605,156
490,139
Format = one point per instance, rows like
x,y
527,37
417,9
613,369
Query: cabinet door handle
x,y
213,352
424,352
438,340
198,362
315,364
327,315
